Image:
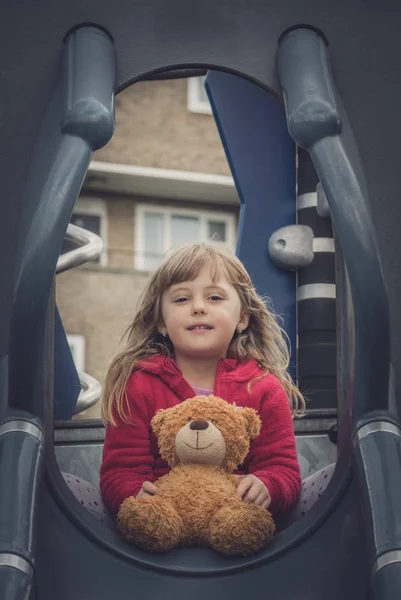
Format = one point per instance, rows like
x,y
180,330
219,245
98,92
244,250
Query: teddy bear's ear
x,y
252,421
158,421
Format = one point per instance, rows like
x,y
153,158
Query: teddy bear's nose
x,y
199,424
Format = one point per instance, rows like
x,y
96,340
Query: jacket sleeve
x,y
127,458
273,454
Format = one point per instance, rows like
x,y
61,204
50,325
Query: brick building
x,y
162,180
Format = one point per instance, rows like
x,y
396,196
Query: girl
x,y
201,328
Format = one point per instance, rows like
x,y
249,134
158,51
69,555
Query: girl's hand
x,y
252,490
148,489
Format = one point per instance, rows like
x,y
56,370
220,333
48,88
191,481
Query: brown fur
x,y
196,504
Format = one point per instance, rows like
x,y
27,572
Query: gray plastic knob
x,y
291,247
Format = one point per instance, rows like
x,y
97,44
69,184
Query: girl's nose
x,y
198,307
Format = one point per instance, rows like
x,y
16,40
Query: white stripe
x,y
388,558
308,200
8,559
316,290
22,426
375,426
323,244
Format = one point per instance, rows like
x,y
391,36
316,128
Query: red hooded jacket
x,y
131,455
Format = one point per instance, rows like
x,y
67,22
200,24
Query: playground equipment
x,y
58,108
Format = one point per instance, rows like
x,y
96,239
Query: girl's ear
x,y
158,420
244,321
252,422
161,328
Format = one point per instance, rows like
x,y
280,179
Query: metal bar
x,y
83,104
317,122
84,100
90,393
378,461
21,469
91,246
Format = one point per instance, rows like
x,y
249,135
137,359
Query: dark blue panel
x,y
66,381
261,154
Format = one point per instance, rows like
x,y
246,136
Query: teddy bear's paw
x,y
240,529
152,523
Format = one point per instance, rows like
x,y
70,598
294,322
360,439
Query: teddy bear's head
x,y
207,430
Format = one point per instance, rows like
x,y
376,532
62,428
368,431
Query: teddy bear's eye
x,y
189,419
214,421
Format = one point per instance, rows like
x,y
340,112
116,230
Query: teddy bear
x,y
203,439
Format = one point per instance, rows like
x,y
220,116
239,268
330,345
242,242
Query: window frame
x,y
169,211
194,102
86,205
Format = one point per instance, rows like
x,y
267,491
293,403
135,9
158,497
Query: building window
x,y
197,98
158,228
77,347
91,214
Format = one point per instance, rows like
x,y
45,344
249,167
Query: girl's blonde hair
x,y
263,339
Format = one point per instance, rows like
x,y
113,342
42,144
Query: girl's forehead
x,y
207,276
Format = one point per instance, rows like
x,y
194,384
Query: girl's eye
x,y
180,300
214,298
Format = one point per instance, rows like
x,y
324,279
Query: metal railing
x,y
90,246
90,393
318,122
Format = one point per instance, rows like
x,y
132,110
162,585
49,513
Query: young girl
x,y
201,328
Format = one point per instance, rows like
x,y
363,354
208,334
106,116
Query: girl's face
x,y
201,317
